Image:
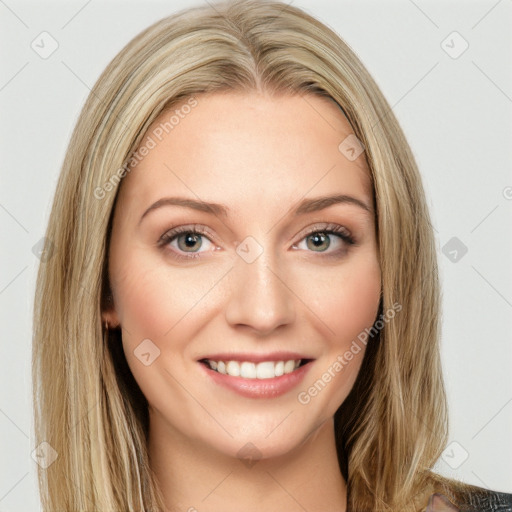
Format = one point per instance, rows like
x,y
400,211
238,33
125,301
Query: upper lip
x,y
255,358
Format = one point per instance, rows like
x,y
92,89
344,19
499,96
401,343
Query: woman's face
x,y
274,276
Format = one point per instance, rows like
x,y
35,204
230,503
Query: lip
x,y
256,358
258,388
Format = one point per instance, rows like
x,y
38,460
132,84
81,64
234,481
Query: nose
x,y
260,298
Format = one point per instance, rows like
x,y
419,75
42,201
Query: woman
x,y
193,350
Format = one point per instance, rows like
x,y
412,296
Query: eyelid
x,y
187,228
326,227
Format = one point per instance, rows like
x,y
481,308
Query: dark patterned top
x,y
480,500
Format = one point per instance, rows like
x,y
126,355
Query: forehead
x,y
247,149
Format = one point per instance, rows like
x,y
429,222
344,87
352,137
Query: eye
x,y
186,240
318,239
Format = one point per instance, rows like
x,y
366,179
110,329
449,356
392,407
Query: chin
x,y
250,443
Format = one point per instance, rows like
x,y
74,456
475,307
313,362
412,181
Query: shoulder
x,y
458,497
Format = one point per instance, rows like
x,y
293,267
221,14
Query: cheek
x,y
357,303
347,299
348,303
145,302
154,300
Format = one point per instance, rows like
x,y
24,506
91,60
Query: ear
x,y
108,311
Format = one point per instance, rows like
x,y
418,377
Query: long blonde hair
x,y
87,406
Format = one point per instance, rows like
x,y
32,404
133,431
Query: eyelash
x,y
329,229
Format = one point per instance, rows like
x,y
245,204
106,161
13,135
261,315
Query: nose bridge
x,y
259,296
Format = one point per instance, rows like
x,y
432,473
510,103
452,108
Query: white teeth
x,y
265,370
289,366
233,368
248,370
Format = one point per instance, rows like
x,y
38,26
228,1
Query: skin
x,y
259,156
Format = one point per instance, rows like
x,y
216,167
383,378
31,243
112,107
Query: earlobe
x,y
109,315
110,319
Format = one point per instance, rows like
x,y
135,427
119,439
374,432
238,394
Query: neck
x,y
197,478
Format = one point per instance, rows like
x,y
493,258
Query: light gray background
x,y
456,113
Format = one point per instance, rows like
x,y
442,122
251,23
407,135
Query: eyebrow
x,y
309,205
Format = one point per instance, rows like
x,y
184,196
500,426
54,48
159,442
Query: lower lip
x,y
259,388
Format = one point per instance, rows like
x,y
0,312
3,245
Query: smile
x,y
257,375
250,370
